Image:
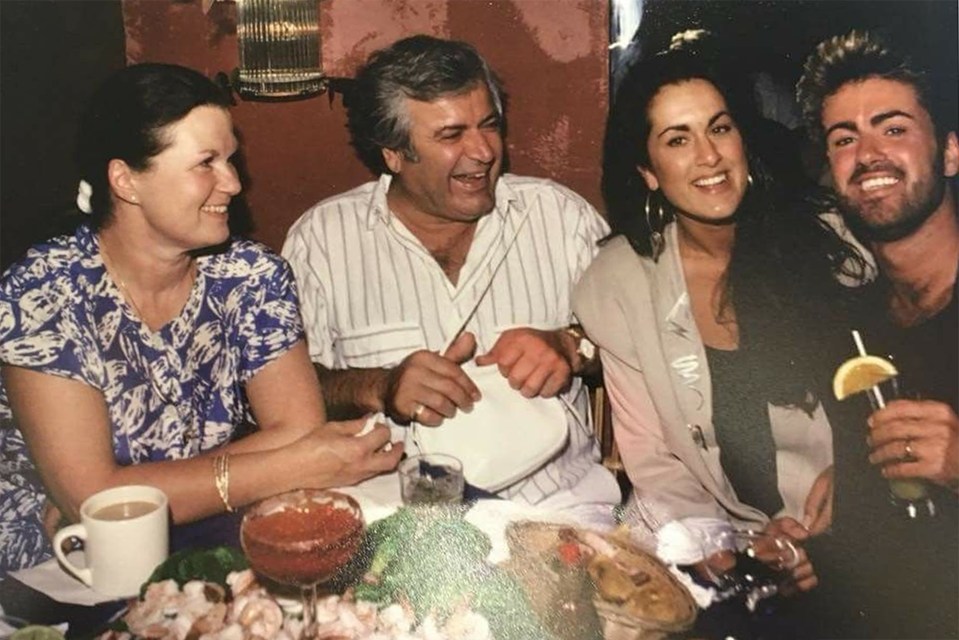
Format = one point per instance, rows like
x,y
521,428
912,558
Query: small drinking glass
x,y
431,478
746,563
909,494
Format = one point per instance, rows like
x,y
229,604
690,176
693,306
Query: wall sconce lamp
x,y
279,43
279,50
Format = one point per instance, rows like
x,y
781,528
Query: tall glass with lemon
x,y
878,379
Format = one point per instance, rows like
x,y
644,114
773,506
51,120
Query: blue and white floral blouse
x,y
171,394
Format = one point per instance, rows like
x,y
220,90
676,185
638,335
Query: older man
x,y
890,139
405,279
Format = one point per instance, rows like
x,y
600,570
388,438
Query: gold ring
x,y
418,410
909,455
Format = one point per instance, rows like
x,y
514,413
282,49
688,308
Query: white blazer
x,y
638,313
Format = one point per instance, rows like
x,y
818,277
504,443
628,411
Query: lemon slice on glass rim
x,y
861,373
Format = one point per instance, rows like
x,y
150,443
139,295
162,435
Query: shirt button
x,y
697,433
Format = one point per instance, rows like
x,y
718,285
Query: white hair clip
x,y
84,193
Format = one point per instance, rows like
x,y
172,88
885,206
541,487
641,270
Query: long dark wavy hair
x,y
782,279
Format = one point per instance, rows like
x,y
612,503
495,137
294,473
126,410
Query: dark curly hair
x,y
420,67
857,56
126,120
782,277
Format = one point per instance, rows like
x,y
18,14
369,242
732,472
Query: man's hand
x,y
817,512
916,439
429,387
803,576
537,363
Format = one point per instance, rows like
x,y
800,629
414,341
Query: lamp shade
x,y
279,43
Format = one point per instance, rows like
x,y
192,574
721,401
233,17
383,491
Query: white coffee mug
x,y
125,534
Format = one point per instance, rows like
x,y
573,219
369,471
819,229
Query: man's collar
x,y
506,198
379,210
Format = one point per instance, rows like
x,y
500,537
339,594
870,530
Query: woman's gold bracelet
x,y
221,476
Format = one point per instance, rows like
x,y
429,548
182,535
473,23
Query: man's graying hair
x,y
421,68
858,56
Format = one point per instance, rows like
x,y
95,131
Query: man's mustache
x,y
882,165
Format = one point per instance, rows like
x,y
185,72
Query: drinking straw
x,y
861,348
858,340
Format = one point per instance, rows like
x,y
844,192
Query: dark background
x,y
52,55
768,41
777,35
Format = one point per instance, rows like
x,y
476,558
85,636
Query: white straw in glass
x,y
858,340
876,391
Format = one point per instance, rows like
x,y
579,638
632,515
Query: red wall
x,y
550,54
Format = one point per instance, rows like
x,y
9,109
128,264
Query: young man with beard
x,y
446,249
890,138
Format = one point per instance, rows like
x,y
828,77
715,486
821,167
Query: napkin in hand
x,y
684,542
504,438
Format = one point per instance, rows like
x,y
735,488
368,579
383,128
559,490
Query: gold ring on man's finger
x,y
418,410
908,454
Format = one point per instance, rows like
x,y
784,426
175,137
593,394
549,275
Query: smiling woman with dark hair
x,y
140,348
709,303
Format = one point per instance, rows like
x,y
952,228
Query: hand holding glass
x,y
878,378
748,563
911,494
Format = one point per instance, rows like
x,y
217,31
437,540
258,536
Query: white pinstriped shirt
x,y
371,294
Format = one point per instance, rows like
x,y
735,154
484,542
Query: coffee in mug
x,y
125,510
124,533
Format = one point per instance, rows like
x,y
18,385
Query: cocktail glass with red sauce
x,y
302,538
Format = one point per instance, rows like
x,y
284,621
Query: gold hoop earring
x,y
656,240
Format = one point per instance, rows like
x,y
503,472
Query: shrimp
x,y
158,603
366,612
395,619
213,622
429,630
327,610
258,614
231,632
467,625
240,581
